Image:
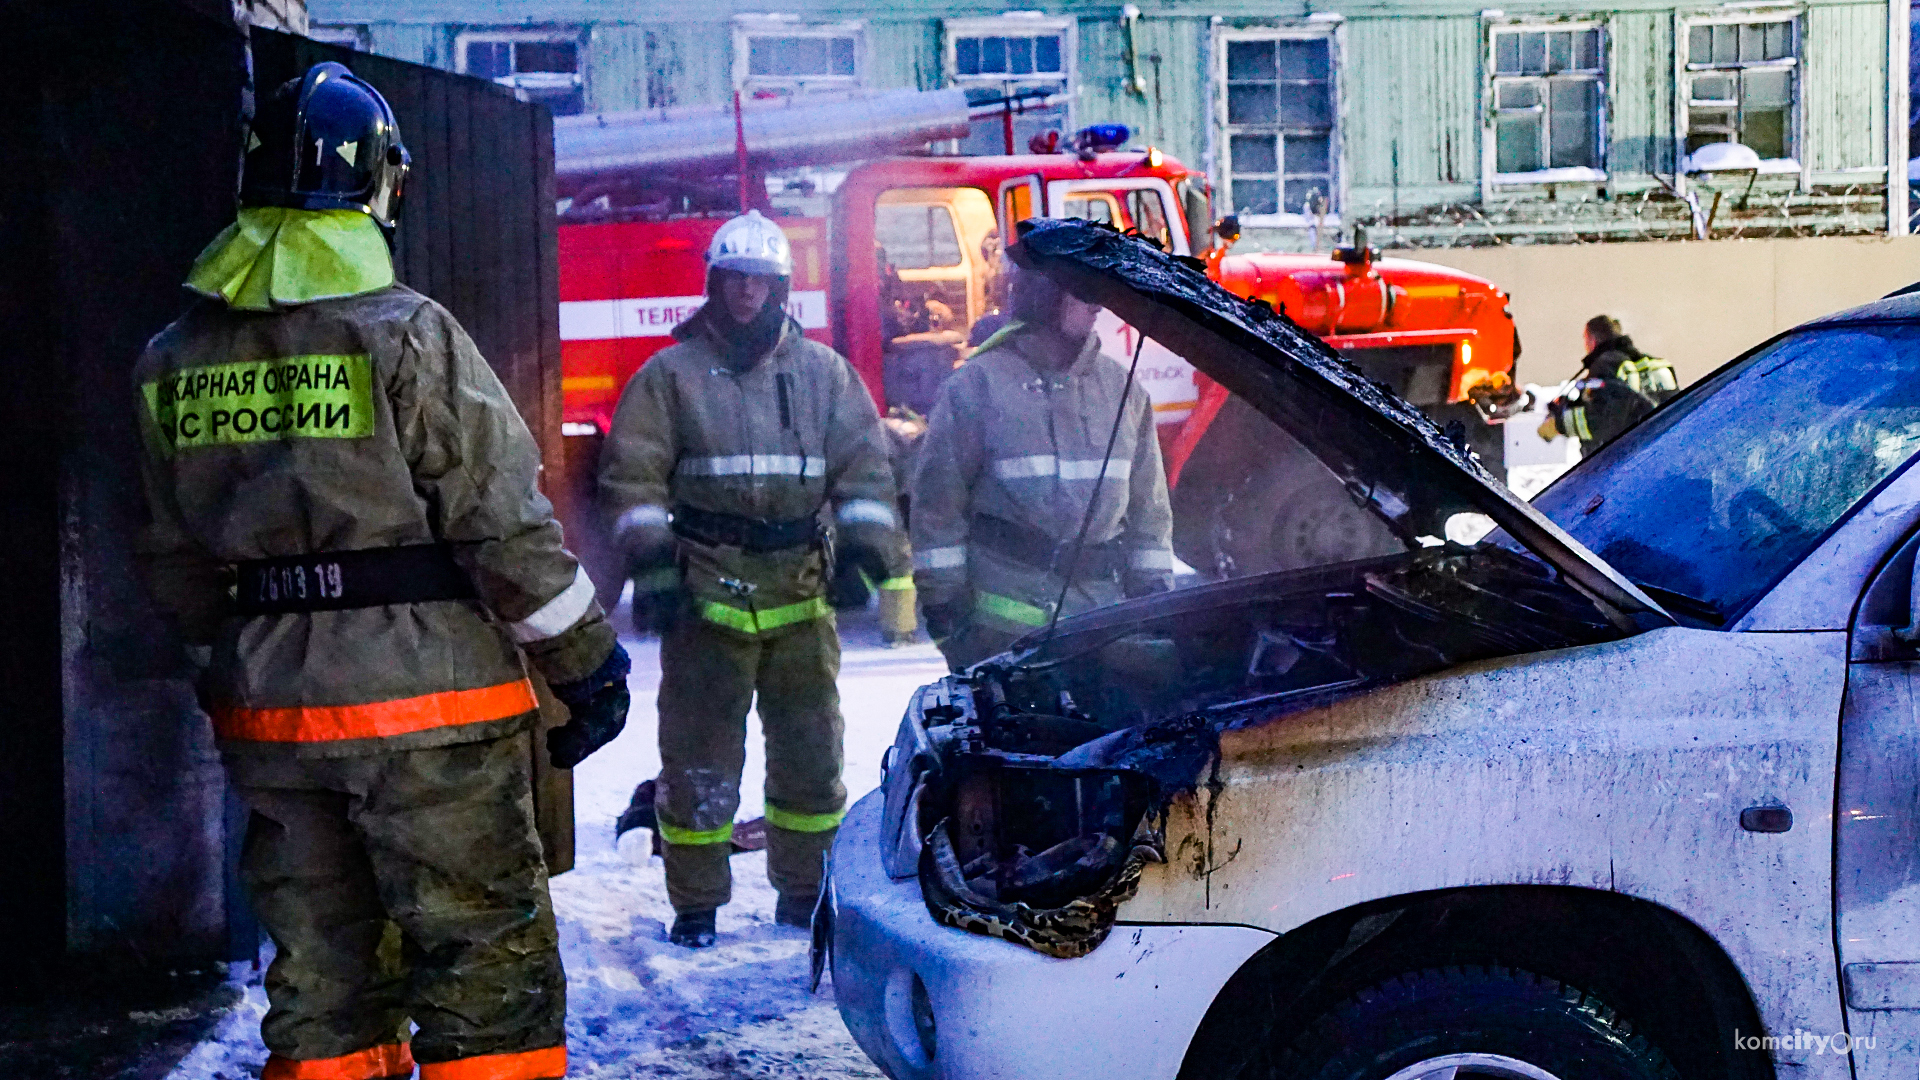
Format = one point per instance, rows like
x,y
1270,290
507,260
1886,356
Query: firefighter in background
x,y
1015,453
993,255
1617,386
346,521
727,455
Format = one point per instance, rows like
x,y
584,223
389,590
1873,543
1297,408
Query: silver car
x,y
1624,783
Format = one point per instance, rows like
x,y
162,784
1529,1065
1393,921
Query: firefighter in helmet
x,y
1016,464
740,462
367,601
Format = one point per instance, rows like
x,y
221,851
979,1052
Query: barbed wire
x,y
1652,215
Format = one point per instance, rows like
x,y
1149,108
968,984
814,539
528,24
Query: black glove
x,y
944,611
860,562
653,567
850,587
1146,582
647,545
863,546
656,611
599,705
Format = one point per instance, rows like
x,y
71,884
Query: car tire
x,y
1461,1022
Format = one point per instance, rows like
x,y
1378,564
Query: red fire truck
x,y
895,266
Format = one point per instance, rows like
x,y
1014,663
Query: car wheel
x,y
1455,1023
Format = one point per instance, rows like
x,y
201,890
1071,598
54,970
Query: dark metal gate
x,y
119,148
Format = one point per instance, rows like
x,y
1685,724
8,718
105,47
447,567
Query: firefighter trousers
x,y
974,641
710,676
405,887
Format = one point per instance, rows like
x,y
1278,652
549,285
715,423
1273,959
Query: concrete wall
x,y
1697,304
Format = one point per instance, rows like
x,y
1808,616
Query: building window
x,y
1280,125
1025,57
1740,86
1549,100
539,66
347,37
781,58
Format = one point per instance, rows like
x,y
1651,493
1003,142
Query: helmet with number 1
x,y
326,141
750,244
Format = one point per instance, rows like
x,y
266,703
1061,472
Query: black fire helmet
x,y
326,141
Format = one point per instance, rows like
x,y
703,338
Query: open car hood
x,y
1390,456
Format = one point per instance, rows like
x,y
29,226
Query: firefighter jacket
x,y
340,426
1607,397
772,448
1649,376
1011,444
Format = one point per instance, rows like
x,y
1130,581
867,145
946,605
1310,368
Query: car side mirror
x,y
1888,624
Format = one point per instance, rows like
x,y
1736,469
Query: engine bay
x,y
1028,793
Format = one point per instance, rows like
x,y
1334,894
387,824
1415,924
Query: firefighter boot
x,y
694,929
795,910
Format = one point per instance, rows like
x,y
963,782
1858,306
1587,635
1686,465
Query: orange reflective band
x,y
373,1063
326,723
548,1064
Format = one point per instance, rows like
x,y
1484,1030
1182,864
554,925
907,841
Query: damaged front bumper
x,y
928,1001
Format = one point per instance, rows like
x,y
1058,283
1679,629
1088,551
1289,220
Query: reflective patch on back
x,y
289,397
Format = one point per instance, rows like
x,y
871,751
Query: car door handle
x,y
1883,987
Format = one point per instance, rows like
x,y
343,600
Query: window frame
x,y
346,35
747,27
546,83
1686,69
1059,190
1017,24
1603,107
1334,34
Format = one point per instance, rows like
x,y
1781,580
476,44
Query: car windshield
x,y
1714,498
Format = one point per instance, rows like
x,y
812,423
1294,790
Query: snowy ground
x,y
637,1006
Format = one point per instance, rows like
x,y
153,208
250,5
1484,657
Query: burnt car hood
x,y
1390,456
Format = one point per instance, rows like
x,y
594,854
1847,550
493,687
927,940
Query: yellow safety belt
x,y
759,622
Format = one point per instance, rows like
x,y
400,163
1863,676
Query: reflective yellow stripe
x,y
1578,415
728,616
751,622
695,837
999,337
1006,607
792,822
896,584
1649,373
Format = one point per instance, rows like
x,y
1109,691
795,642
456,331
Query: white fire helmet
x,y
750,244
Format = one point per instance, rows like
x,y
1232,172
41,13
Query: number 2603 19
x,y
320,581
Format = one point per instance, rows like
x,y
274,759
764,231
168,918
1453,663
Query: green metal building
x,y
1432,122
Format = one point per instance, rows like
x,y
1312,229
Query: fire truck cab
x,y
936,227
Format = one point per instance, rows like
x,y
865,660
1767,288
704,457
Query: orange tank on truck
x,y
1441,338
